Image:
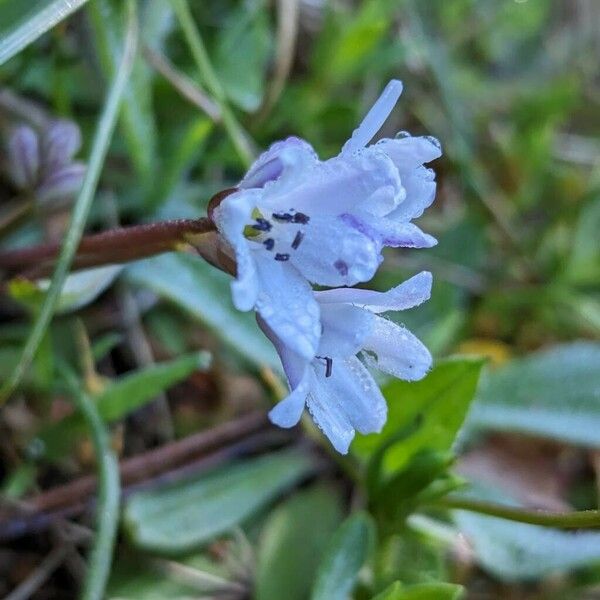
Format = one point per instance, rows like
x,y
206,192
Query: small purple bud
x,y
62,184
23,157
60,142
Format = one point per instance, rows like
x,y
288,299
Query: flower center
x,y
280,232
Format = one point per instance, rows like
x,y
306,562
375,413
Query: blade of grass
x,y
29,21
100,145
109,492
236,133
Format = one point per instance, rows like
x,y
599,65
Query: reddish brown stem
x,y
114,246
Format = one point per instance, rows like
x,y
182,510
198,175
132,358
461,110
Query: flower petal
x,y
340,184
395,350
412,292
420,187
386,232
288,411
286,303
329,417
410,152
23,156
345,328
375,118
347,400
60,142
231,217
333,253
290,154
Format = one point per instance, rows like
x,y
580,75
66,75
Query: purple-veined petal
x,y
340,184
411,293
23,156
386,232
333,253
231,217
375,118
345,328
61,184
286,155
60,142
287,305
393,349
329,416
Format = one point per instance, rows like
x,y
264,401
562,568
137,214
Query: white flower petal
x,y
284,156
420,187
395,350
357,394
410,152
286,303
231,216
375,118
386,232
288,411
338,185
329,416
408,294
334,253
345,329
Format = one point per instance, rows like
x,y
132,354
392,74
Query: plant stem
x,y
117,245
82,206
566,520
109,493
238,136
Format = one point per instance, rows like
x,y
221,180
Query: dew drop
x,y
401,135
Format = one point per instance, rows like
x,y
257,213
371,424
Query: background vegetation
x,y
151,365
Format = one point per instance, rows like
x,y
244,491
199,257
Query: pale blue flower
x,y
336,387
296,219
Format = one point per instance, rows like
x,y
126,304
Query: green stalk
x,y
565,520
109,492
238,136
82,206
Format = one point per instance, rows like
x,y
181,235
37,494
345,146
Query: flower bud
x,y
62,184
23,157
60,142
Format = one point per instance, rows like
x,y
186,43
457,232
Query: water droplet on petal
x,y
401,135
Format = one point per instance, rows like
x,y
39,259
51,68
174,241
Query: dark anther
x,y
269,243
301,218
328,364
297,240
285,217
342,267
262,225
282,257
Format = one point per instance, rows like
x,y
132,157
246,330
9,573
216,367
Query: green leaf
x,y
79,289
553,393
292,543
242,54
421,591
22,22
584,263
188,514
436,406
517,551
120,398
203,292
345,556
